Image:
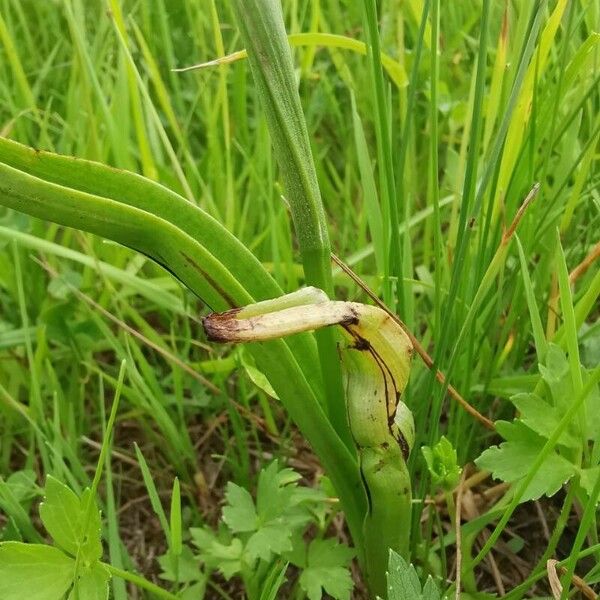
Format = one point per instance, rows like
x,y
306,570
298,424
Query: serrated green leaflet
x,y
326,571
403,582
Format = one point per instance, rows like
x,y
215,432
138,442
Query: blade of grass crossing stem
x,y
263,32
566,302
541,345
104,449
153,493
498,72
106,441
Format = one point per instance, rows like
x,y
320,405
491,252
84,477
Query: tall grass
x,y
419,177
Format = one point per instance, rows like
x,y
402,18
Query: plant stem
x,y
263,33
140,582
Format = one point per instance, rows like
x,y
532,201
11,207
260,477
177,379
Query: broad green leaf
x,y
202,537
327,570
61,515
92,584
91,528
70,522
511,461
239,514
34,572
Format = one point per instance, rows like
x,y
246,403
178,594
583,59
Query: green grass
x,y
509,99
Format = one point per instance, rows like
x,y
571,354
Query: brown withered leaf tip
x,y
220,327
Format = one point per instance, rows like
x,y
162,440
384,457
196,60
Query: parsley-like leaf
x,y
512,460
326,568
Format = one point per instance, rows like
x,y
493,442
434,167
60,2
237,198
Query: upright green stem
x,y
264,36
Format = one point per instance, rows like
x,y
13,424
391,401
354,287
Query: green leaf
x,y
92,584
215,554
404,584
327,569
274,538
543,418
239,514
511,461
258,378
275,492
589,477
34,572
69,521
60,514
194,592
188,567
228,558
557,376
